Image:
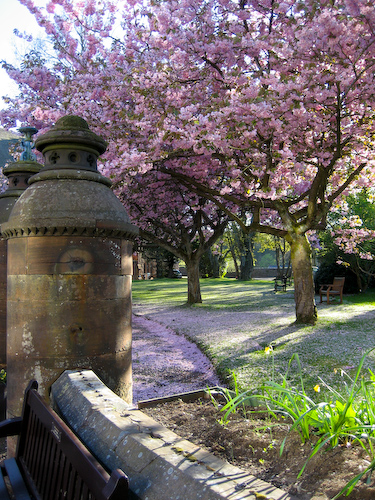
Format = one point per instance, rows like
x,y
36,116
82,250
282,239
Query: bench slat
x,y
19,488
53,463
65,477
78,488
33,445
48,467
72,485
80,458
63,480
57,464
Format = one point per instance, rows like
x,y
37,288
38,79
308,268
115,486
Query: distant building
x,y
144,267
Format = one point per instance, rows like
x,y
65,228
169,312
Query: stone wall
x,y
159,463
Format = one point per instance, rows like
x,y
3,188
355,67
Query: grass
x,y
237,320
221,293
153,291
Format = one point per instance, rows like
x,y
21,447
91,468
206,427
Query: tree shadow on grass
x,y
340,344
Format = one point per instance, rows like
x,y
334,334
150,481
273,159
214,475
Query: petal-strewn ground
x,y
166,363
238,320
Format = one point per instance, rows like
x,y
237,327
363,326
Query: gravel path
x,y
166,363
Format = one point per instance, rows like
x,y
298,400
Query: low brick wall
x,y
259,273
160,464
264,272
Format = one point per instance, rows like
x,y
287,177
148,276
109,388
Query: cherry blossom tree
x,y
175,219
277,99
261,106
350,236
74,75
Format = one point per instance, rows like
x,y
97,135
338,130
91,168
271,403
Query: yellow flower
x,y
268,349
317,388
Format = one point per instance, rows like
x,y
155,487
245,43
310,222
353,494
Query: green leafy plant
x,y
279,398
341,418
288,400
350,419
233,399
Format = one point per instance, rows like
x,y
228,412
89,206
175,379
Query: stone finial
x,y
18,173
71,144
27,143
68,187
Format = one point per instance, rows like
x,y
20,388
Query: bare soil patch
x,y
253,444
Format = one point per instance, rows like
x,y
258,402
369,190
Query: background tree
x,y
350,240
241,246
214,261
165,261
175,219
261,105
281,251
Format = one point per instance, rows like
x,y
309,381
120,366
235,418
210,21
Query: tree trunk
x,y
235,264
247,265
304,293
194,288
214,261
247,256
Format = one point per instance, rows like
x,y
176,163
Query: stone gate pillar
x,y
69,269
18,174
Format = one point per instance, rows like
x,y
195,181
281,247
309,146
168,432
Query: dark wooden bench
x,y
281,282
335,289
51,463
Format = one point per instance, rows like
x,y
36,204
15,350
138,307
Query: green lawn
x,y
237,320
216,293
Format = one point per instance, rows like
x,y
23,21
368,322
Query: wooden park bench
x,y
335,289
51,463
281,282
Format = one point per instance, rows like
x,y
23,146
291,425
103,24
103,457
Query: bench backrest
x,y
338,283
56,463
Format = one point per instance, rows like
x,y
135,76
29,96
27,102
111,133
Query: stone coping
x,y
160,464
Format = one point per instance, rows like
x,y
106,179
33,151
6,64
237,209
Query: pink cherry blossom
x,y
259,106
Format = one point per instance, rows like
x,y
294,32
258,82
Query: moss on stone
x,y
71,122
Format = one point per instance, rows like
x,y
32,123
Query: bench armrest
x,y
324,288
117,486
10,427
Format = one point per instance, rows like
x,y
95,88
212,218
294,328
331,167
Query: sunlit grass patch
x,y
216,293
169,291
